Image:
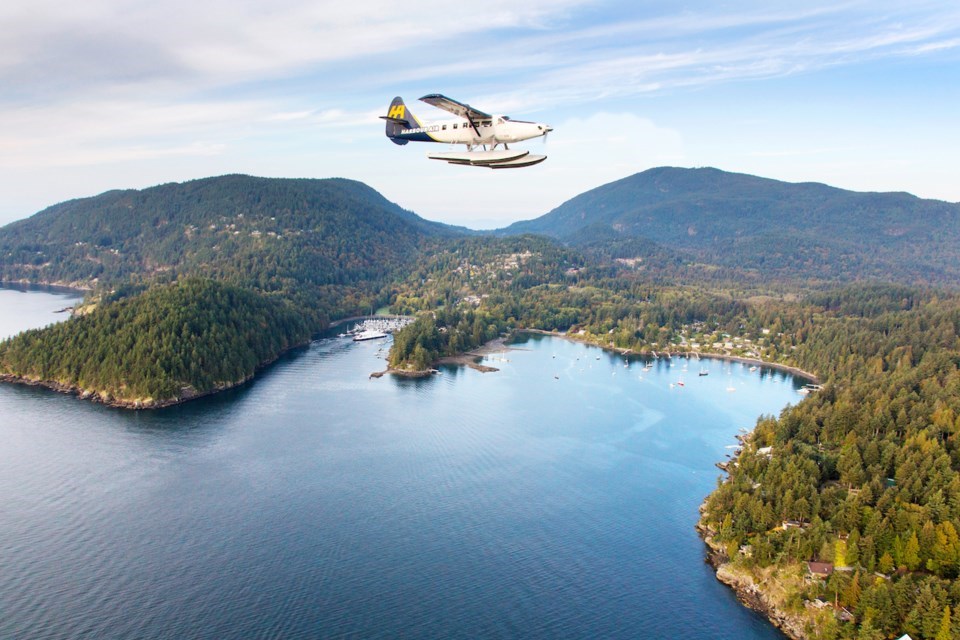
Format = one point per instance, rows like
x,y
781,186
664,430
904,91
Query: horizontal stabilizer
x,y
402,121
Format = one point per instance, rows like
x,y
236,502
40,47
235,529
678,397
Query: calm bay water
x,y
24,308
555,498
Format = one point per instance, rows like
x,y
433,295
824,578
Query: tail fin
x,y
398,119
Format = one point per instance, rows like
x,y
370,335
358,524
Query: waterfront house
x,y
820,569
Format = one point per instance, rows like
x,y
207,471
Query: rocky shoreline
x,y
748,592
187,393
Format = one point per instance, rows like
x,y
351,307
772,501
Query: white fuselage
x,y
497,130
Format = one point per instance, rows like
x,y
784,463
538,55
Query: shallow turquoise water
x,y
555,498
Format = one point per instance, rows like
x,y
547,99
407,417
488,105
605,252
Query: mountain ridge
x,y
808,230
316,231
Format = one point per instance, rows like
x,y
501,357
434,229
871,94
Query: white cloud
x,y
294,87
229,41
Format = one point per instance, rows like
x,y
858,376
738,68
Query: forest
x,y
174,341
193,287
866,467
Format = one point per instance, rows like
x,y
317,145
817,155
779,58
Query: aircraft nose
x,y
545,128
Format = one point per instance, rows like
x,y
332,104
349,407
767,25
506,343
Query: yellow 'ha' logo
x,y
397,111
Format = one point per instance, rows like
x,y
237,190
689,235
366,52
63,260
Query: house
x,y
820,569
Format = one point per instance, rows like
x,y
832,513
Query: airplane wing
x,y
457,108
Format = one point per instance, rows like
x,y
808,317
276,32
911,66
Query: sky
x,y
117,94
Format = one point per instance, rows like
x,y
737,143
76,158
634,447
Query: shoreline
x,y
794,371
469,358
55,287
465,359
749,593
136,405
498,345
188,393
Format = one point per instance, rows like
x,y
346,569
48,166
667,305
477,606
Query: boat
x,y
703,372
378,327
369,334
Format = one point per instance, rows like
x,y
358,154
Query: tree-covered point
x,y
444,332
867,467
169,343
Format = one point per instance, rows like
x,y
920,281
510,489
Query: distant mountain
x,y
780,229
271,233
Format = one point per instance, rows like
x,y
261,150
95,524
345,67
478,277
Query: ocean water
x,y
555,498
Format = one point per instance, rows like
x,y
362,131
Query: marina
x,y
376,327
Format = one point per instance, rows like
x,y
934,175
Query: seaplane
x,y
481,132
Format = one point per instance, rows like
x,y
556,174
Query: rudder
x,y
398,119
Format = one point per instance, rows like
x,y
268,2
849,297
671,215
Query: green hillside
x,y
781,231
171,343
274,234
195,285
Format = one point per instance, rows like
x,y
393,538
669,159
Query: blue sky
x,y
107,94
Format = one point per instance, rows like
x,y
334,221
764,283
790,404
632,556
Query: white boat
x,y
369,334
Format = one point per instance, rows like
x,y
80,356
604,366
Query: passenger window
x,y
444,127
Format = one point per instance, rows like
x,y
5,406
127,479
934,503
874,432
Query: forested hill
x,y
269,233
779,229
195,285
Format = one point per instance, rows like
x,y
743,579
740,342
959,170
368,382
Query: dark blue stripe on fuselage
x,y
419,136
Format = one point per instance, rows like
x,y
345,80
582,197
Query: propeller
x,y
546,131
